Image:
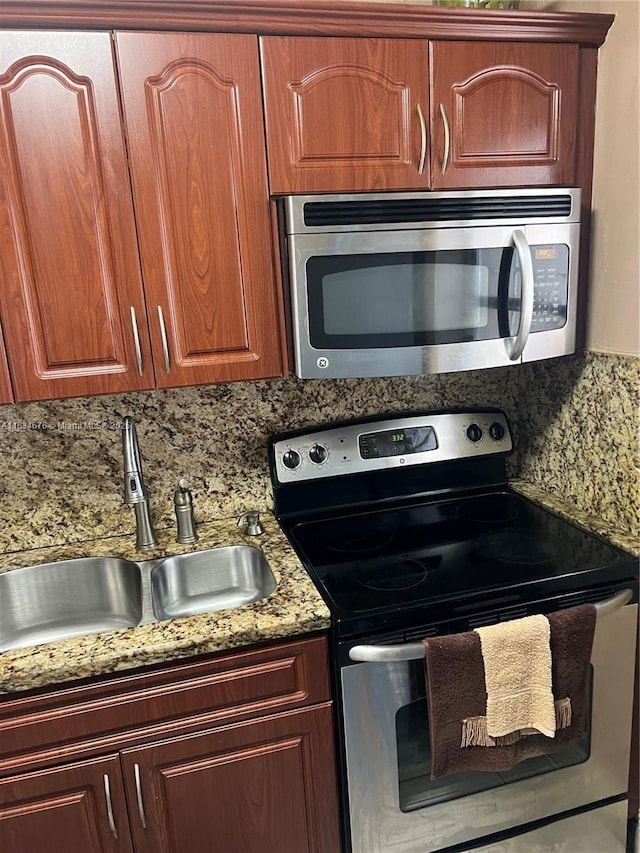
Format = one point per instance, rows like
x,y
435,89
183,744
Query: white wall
x,y
614,299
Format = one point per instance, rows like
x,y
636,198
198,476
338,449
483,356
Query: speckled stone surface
x,y
574,421
61,461
295,607
578,420
621,538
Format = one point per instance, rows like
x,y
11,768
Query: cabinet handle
x,y
423,139
107,796
136,774
136,339
165,342
447,140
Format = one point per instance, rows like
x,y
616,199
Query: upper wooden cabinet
x,y
362,114
71,295
345,114
503,114
193,116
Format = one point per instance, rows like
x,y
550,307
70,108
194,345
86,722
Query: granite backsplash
x,y
575,424
61,461
578,434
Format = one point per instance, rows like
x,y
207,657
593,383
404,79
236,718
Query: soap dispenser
x,y
183,504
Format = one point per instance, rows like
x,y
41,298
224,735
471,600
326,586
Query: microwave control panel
x,y
550,291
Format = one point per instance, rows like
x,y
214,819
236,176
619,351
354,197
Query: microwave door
x,y
402,303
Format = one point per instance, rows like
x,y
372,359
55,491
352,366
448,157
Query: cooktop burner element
x,y
489,508
420,529
518,546
350,538
400,574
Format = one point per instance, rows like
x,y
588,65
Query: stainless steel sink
x,y
210,580
55,601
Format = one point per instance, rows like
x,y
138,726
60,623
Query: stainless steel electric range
x,y
409,529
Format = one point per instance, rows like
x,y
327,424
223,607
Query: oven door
x,y
393,804
432,300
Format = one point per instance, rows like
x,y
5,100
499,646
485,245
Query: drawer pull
x,y
136,774
107,796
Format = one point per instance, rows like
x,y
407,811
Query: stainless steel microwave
x,y
397,284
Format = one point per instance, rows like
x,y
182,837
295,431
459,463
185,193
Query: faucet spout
x,y
135,490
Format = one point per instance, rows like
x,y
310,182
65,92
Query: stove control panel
x,y
415,439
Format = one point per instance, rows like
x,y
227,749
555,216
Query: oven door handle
x,y
415,651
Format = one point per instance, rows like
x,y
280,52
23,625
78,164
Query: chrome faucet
x,y
135,491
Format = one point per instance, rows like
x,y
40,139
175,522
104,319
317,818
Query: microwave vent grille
x,y
426,210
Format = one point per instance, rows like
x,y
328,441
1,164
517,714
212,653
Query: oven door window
x,y
417,790
404,299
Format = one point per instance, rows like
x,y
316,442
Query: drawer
x,y
114,712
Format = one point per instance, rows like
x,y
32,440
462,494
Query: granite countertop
x,y
295,607
551,501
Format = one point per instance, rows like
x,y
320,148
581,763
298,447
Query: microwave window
x,y
425,297
407,299
410,298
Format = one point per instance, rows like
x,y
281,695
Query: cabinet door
x,y
70,287
265,786
78,808
503,114
193,118
345,114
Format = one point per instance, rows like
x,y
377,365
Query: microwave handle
x,y
526,299
415,651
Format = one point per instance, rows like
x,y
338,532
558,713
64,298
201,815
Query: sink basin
x,y
210,580
56,601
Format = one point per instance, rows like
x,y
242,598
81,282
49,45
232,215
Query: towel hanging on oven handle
x,y
415,651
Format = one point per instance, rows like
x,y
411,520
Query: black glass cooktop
x,y
391,561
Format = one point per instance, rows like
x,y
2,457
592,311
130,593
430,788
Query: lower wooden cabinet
x,y
258,786
77,808
170,784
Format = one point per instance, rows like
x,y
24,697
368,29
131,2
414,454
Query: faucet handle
x,y
252,519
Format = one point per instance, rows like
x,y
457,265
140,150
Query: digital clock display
x,y
397,442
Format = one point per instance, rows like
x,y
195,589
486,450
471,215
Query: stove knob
x,y
318,453
474,433
496,431
291,459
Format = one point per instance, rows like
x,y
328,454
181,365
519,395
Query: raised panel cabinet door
x,y
345,114
264,786
503,114
193,117
70,282
77,808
